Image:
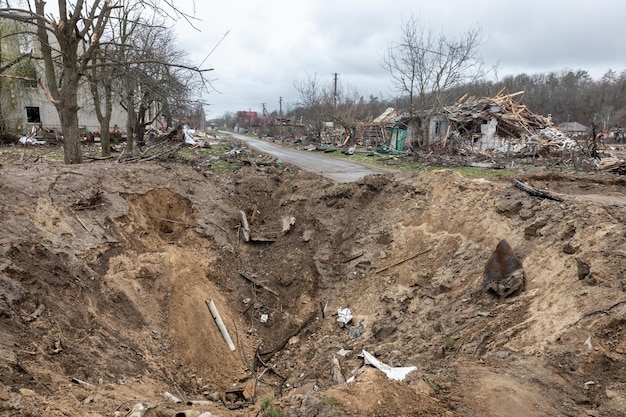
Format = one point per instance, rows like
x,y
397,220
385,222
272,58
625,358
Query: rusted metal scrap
x,y
241,395
503,272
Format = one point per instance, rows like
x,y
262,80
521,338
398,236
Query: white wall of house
x,y
49,118
438,128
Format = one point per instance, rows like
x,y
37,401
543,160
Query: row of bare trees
x,y
122,49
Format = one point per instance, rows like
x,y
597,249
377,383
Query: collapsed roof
x,y
514,123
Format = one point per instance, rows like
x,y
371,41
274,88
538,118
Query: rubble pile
x,y
514,123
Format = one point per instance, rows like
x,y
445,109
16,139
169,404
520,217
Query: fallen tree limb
x,y
403,260
529,189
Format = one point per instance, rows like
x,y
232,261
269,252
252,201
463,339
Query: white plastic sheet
x,y
398,373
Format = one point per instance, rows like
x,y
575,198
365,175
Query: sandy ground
x,y
105,270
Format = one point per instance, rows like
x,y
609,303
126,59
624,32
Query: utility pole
x,y
280,106
335,90
264,114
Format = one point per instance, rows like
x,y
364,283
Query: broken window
x,y
32,115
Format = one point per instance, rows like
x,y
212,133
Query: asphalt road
x,y
336,169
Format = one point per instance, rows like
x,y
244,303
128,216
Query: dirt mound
x,y
105,270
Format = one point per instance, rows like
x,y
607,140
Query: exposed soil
x,y
105,269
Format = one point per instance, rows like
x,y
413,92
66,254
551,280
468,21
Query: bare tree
x,y
155,80
69,48
426,66
65,53
317,102
328,101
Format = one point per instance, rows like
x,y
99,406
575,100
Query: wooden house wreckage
x,y
497,123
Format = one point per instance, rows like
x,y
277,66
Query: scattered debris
x,y
138,410
356,331
612,164
247,235
171,397
271,352
241,395
287,221
398,373
345,315
503,272
342,352
83,383
220,324
188,135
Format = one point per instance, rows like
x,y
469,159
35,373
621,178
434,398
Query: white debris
x,y
345,315
343,352
188,134
398,373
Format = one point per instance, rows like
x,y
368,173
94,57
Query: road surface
x,y
336,169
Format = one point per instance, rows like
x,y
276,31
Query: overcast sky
x,y
271,43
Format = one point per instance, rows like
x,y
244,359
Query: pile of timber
x,y
614,165
515,122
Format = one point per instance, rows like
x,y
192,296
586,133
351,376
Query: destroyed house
x,y
387,130
499,123
492,123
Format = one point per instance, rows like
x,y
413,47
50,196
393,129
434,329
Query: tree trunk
x,y
68,112
105,137
130,122
105,122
